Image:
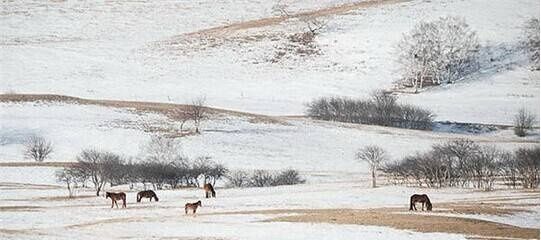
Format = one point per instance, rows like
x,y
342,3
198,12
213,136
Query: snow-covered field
x,y
129,50
147,51
36,214
237,142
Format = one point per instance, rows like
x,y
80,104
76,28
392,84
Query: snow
x,y
138,50
81,217
106,50
237,142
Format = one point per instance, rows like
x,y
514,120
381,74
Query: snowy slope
x,y
238,142
108,50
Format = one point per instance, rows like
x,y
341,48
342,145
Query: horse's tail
x,y
411,203
138,197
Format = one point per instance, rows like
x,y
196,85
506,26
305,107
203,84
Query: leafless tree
x,y
67,177
523,121
162,149
531,41
381,109
528,166
99,166
198,112
238,178
375,157
438,52
37,148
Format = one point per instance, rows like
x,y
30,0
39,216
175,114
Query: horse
x,y
116,196
192,206
422,198
208,188
147,194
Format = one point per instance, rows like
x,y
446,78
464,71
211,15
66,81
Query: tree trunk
x,y
374,178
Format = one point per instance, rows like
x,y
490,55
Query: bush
x,y
37,148
238,179
264,178
381,109
287,177
524,121
438,52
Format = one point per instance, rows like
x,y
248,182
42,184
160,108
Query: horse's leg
x,y
116,203
112,203
411,205
414,206
186,210
206,194
422,206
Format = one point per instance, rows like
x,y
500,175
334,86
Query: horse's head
x,y
198,203
429,206
156,198
107,195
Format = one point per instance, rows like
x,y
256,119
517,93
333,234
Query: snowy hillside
x,y
238,142
144,51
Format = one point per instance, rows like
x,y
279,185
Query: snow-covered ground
x,y
307,145
106,49
36,214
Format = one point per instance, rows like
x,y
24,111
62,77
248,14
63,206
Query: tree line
x,y
463,163
380,109
101,167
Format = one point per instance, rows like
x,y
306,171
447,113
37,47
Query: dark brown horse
x,y
423,199
208,188
147,194
116,196
192,206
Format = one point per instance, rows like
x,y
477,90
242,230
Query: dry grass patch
x,y
19,208
413,221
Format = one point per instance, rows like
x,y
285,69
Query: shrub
x,y
264,178
287,177
523,121
381,109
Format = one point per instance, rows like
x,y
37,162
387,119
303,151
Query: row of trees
x,y
100,168
380,109
463,163
264,178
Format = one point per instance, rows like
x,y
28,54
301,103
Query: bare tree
x,y
238,178
98,166
438,52
197,112
531,41
375,157
161,149
37,148
65,176
524,121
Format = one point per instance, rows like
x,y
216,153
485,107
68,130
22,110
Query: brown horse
x,y
422,198
208,188
116,196
192,206
147,194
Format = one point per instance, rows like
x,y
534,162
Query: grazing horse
x,y
192,206
422,198
116,196
147,194
208,188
